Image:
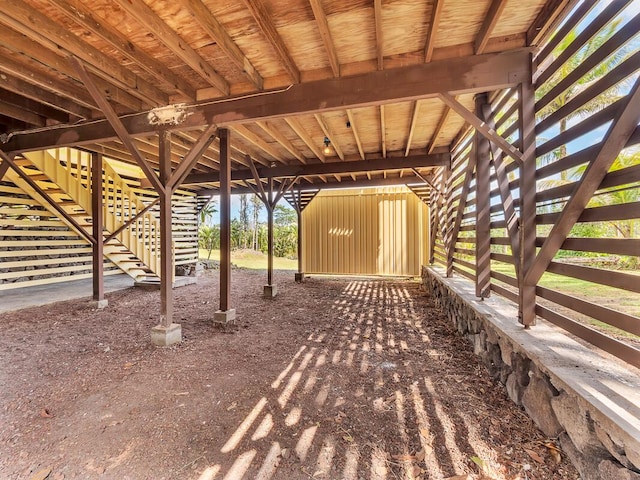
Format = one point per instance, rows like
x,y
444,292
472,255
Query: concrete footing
x,y
270,291
224,317
99,304
299,277
163,336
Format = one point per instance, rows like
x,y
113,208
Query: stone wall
x,y
597,427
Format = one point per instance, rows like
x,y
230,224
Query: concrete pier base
x,y
99,304
224,317
299,277
162,336
270,291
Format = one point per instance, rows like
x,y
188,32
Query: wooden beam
x,y
225,220
548,16
481,158
188,162
117,126
166,230
4,166
77,11
377,12
32,106
439,128
27,77
383,133
97,225
325,34
254,139
146,17
412,127
616,137
282,140
263,19
354,129
481,126
297,127
458,75
434,23
490,21
28,21
13,111
329,134
216,31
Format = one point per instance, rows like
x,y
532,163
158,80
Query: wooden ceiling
x,y
358,70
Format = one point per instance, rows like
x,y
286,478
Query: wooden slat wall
x,y
36,247
569,132
366,231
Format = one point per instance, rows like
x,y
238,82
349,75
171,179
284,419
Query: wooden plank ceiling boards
x,y
283,75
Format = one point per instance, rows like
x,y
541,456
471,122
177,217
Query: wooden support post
x,y
299,277
4,166
225,314
270,208
483,219
166,255
97,222
528,230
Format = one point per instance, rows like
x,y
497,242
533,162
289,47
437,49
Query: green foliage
x,y
209,238
207,212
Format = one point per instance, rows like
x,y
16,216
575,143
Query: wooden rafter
x,y
439,128
40,28
329,134
29,105
546,19
297,127
490,22
152,22
191,158
481,126
475,73
13,111
383,133
325,33
34,92
32,48
354,129
377,11
622,127
412,127
436,11
262,18
76,10
282,140
214,29
259,142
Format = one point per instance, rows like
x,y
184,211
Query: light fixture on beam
x,y
327,150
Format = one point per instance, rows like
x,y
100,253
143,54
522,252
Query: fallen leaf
x,y
478,461
555,454
424,432
44,413
128,365
232,406
534,456
459,477
420,455
42,474
416,470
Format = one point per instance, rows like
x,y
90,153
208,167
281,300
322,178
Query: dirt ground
x,y
334,378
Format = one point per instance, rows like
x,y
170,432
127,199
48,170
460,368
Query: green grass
x,y
252,260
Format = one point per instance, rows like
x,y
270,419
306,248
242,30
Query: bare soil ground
x,y
334,378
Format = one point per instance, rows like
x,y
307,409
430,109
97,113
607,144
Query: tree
x,y
284,216
256,207
209,238
207,211
244,219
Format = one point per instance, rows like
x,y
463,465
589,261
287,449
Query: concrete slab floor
x,y
19,298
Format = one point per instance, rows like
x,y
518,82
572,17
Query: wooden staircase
x,y
65,175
